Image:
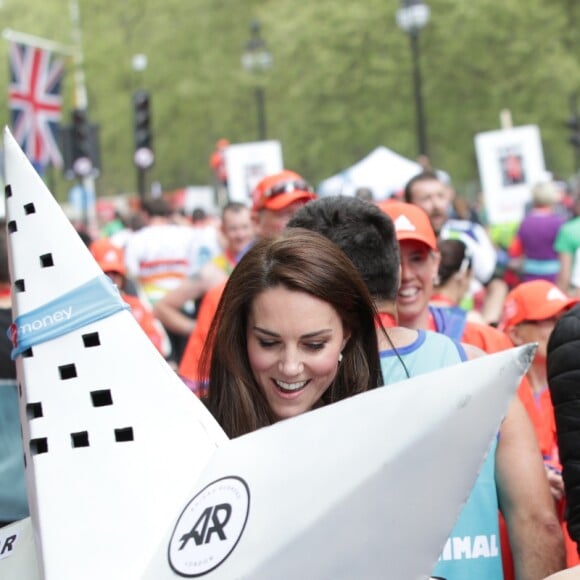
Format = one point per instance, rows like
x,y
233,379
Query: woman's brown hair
x,y
302,261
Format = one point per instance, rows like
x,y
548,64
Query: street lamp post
x,y
412,17
257,59
573,123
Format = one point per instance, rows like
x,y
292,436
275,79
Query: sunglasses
x,y
285,187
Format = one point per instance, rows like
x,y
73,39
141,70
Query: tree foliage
x,y
339,86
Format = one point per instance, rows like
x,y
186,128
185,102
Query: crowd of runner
x,y
265,320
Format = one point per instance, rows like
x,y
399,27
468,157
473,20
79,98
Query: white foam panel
x,y
108,427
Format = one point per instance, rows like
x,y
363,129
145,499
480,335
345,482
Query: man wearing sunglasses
x,y
275,199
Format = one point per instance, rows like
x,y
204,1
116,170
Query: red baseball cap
x,y
277,191
109,257
535,300
411,222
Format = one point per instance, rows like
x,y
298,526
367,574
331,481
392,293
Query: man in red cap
x,y
530,313
523,491
276,198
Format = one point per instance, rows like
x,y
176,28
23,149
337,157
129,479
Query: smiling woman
x,y
294,359
295,330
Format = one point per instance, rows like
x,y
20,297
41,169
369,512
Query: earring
x,y
339,358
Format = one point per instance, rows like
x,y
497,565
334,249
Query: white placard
x,y
510,162
248,163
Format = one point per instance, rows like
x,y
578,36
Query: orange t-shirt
x,y
540,410
189,364
387,320
541,413
487,338
146,320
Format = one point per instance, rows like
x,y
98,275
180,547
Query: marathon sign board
x,y
511,162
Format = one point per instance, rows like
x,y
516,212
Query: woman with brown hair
x,y
294,330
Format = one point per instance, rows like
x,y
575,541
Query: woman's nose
x,y
406,271
290,364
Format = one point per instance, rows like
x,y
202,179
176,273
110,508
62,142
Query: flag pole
x,y
37,42
87,182
81,99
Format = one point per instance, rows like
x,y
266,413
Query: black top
x,y
564,383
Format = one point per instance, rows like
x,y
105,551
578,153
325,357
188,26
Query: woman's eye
x,y
266,343
315,345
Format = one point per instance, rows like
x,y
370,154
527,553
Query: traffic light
x,y
83,145
81,135
142,120
573,123
80,141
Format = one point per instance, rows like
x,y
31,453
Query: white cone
x,y
98,503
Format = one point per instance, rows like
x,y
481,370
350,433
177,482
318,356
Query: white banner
x,y
510,162
248,163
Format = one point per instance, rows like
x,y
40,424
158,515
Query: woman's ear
x,y
435,261
346,338
463,277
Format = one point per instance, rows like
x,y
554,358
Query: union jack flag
x,y
35,102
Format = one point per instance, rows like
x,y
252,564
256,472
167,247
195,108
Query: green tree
x,y
339,86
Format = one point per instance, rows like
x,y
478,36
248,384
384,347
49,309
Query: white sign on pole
x,y
510,162
248,163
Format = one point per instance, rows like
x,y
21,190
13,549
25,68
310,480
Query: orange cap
x,y
277,191
411,222
535,300
109,257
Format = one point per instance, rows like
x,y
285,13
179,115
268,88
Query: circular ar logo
x,y
209,527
